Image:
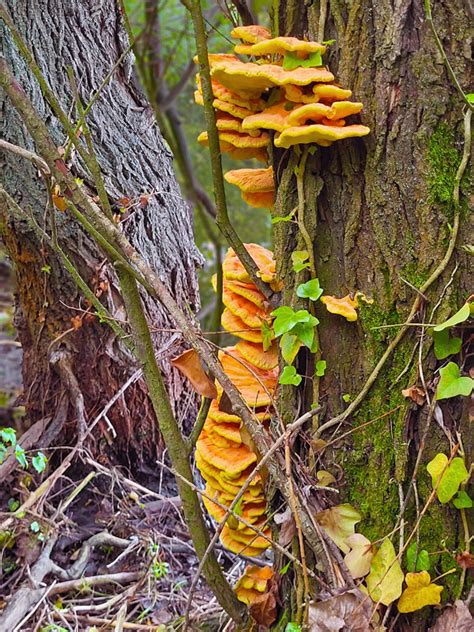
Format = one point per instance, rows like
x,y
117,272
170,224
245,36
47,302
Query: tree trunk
x,y
56,327
379,212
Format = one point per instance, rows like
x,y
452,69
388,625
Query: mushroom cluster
x,y
224,454
253,583
285,92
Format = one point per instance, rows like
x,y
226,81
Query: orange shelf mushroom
x,y
257,185
253,583
223,453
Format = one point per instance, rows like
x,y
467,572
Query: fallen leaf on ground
x,y
264,610
455,618
415,393
359,558
339,522
350,611
190,366
386,576
420,592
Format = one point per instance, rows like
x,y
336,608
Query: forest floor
x,y
84,546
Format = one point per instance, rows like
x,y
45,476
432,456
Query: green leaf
x,y
286,318
292,61
305,331
289,345
298,267
299,256
20,455
3,452
292,627
417,563
451,476
310,290
285,218
458,318
320,368
328,42
266,335
451,384
462,500
285,568
444,345
290,376
35,527
13,504
39,462
8,435
346,397
470,97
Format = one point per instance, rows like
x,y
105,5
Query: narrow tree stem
x,y
175,445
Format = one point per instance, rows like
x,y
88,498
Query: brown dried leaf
x,y
456,618
350,611
465,560
76,322
264,609
190,366
144,199
416,394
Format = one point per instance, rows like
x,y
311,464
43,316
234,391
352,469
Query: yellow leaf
x,y
59,200
386,577
359,558
420,592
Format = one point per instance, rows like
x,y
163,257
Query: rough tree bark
x,y
378,210
89,37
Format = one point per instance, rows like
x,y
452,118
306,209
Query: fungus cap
x,y
233,269
296,94
218,430
231,461
252,180
224,94
247,311
329,92
231,323
265,199
248,291
241,141
341,109
251,34
310,111
275,118
220,416
280,46
240,76
255,354
345,306
319,134
255,385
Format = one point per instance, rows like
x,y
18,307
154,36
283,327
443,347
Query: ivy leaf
x,y
39,462
458,318
444,345
420,562
289,345
420,592
339,523
20,456
292,627
453,475
470,97
310,290
462,500
286,318
266,335
35,527
284,218
292,61
299,259
359,558
3,452
385,579
452,384
320,368
8,435
305,331
290,376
